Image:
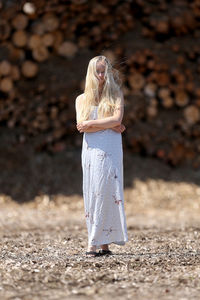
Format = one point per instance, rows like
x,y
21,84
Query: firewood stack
x,y
156,45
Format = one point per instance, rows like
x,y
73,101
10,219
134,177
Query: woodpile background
x,y
45,47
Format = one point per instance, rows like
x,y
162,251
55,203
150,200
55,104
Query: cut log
x,y
11,123
136,81
20,38
5,68
150,89
20,22
29,69
153,102
163,79
196,8
181,59
161,153
189,86
181,98
178,24
177,154
54,113
175,48
15,73
180,77
34,41
51,22
167,102
164,93
40,53
166,99
58,38
29,8
191,114
67,49
6,84
140,58
146,32
16,54
57,133
11,96
151,64
189,20
162,26
152,111
153,76
83,42
48,40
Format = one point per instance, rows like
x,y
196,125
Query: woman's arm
x,y
78,101
92,129
108,122
113,121
118,129
77,107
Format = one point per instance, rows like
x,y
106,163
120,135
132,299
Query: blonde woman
x,y
99,113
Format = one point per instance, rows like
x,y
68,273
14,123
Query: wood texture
x,y
155,45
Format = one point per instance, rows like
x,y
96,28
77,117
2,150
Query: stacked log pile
x,y
156,44
164,83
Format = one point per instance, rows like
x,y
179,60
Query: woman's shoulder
x,y
79,99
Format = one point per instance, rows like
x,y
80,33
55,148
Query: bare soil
x,y
43,240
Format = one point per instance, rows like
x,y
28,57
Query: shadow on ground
x,y
26,174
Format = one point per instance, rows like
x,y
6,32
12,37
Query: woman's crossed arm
x,y
113,122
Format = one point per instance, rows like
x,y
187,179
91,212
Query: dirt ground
x,y
43,241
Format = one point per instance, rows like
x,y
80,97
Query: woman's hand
x,y
120,128
84,125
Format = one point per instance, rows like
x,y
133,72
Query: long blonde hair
x,y
110,94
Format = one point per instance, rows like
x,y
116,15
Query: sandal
x,y
92,253
105,252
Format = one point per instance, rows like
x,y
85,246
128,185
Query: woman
x,y
99,113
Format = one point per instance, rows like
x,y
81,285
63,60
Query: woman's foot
x,y
104,247
104,250
91,251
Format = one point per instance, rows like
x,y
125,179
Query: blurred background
x,y
45,47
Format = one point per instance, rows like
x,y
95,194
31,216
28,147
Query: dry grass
x,y
43,241
43,247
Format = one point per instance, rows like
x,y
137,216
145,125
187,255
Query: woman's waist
x,y
104,137
104,133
